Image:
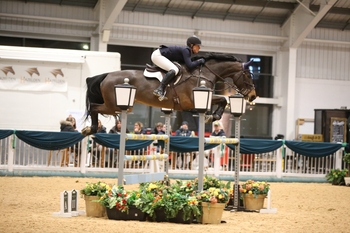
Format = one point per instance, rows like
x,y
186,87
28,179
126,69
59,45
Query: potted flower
x,y
173,203
346,159
213,202
120,204
254,194
336,176
91,194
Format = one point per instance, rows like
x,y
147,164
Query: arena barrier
x,y
278,164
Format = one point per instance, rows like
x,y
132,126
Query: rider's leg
x,y
165,64
166,80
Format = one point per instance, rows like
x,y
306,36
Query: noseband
x,y
243,91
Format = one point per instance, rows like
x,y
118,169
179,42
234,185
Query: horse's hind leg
x,y
94,110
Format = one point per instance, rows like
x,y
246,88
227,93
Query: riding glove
x,y
201,61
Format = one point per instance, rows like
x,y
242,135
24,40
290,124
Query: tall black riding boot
x,y
159,92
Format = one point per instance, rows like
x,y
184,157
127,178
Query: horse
x,y
100,93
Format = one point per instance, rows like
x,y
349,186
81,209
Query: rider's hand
x,y
201,61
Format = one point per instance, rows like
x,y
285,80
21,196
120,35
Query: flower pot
x,y
179,218
252,203
347,181
212,213
161,217
94,209
133,214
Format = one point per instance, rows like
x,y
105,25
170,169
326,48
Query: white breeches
x,y
163,62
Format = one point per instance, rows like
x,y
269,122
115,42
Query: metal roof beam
x,y
304,22
112,11
257,3
333,10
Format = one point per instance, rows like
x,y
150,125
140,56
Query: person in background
x,y
218,131
74,122
67,125
184,132
158,129
138,128
97,147
117,127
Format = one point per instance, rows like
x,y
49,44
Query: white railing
x,y
219,161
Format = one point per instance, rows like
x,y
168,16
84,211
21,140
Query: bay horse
x,y
100,94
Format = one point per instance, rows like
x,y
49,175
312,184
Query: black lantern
x,y
237,104
202,97
125,95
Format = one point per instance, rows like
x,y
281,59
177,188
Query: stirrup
x,y
163,97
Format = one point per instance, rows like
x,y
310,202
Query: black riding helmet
x,y
193,40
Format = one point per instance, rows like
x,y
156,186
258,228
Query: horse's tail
x,y
93,92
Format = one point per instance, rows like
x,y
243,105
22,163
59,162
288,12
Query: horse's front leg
x,y
217,114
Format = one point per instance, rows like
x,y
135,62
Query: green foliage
x,y
179,196
336,176
94,189
117,197
346,158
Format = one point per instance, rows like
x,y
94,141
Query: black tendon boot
x,y
159,92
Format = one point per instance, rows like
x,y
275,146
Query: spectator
x,y
97,147
117,127
138,128
183,131
158,129
67,125
218,131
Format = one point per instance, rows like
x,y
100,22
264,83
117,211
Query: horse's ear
x,y
247,64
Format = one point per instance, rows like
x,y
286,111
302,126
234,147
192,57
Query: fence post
x,y
84,152
339,158
216,160
279,162
10,151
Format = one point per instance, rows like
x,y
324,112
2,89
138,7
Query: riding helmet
x,y
193,40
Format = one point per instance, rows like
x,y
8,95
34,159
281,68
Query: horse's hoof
x,y
86,131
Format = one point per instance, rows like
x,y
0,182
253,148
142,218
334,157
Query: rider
x,y
164,56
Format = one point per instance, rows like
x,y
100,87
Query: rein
x,y
244,91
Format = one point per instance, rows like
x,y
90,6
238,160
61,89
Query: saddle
x,y
152,71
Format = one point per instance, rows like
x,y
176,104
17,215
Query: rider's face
x,y
196,48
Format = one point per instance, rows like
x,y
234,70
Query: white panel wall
x,y
324,61
320,94
43,110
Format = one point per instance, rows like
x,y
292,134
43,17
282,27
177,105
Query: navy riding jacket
x,y
180,54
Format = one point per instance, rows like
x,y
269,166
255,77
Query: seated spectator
x,y
67,125
218,131
158,129
138,128
183,130
117,127
97,147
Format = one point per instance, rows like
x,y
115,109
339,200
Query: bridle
x,y
243,91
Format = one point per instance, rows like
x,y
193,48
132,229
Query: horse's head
x,y
244,82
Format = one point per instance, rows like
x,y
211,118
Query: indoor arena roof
x,y
265,11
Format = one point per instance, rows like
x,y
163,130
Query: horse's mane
x,y
217,56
